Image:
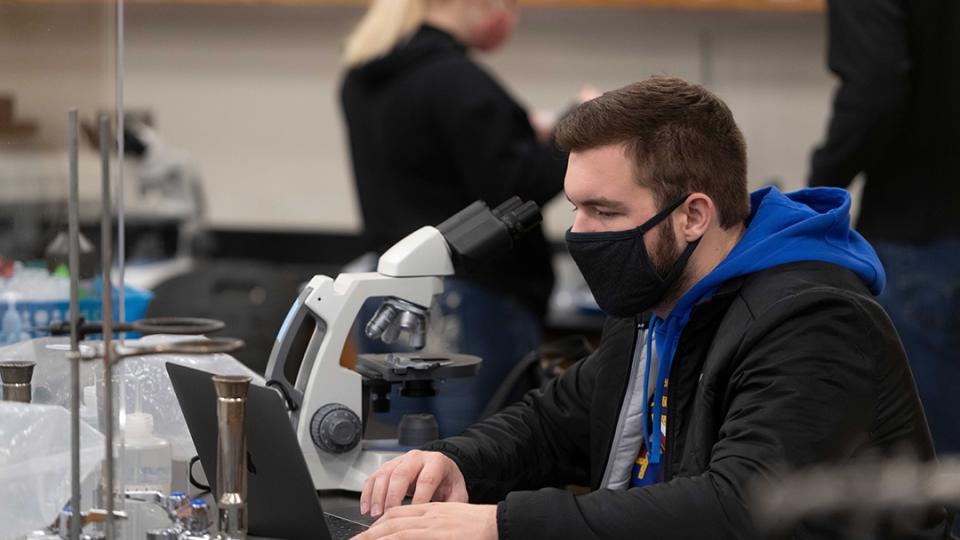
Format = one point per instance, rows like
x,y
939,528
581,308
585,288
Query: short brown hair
x,y
681,138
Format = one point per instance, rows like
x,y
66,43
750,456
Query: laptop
x,y
282,501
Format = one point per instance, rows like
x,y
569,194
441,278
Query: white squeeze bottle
x,y
11,327
146,457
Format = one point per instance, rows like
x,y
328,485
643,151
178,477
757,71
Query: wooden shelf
x,y
814,6
796,6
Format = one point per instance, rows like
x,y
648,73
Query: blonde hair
x,y
383,27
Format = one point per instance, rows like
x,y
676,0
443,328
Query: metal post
x,y
106,222
121,229
74,261
231,455
16,377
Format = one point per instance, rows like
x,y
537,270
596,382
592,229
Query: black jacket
x,y
784,368
896,115
431,132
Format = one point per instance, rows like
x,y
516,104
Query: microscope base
x,y
346,472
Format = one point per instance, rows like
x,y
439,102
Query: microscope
x,y
328,403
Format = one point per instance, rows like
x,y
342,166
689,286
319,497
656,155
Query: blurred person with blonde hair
x,y
430,132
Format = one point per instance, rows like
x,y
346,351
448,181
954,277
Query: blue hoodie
x,y
806,225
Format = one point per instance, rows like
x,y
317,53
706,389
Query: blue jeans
x,y
472,320
922,297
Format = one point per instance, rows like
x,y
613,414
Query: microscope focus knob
x,y
335,428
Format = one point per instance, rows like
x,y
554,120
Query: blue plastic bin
x,y
42,313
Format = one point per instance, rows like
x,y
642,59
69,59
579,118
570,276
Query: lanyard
x,y
651,437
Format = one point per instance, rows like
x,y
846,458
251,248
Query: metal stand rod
x,y
121,159
74,261
106,222
231,455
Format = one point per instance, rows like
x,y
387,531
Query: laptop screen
x,y
282,501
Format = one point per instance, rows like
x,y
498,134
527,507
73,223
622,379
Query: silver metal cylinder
x,y
416,327
408,320
106,261
73,224
392,332
381,321
231,455
16,376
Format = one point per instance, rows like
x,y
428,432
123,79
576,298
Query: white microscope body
x,y
411,271
326,400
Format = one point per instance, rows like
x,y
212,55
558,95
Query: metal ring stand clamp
x,y
120,352
155,325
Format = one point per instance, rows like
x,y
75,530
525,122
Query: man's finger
x,y
400,481
415,534
458,491
378,493
404,512
386,528
428,481
366,495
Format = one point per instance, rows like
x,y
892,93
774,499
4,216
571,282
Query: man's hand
x,y
543,124
428,476
588,92
435,521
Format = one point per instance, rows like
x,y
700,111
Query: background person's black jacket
x,y
431,132
896,115
787,367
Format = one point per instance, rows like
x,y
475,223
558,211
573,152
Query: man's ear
x,y
698,212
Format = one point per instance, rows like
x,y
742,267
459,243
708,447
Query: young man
x,y
767,351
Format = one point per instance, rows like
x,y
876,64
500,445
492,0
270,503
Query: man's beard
x,y
665,255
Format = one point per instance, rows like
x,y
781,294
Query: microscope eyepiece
x,y
520,218
507,206
477,234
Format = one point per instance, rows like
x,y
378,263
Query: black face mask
x,y
618,269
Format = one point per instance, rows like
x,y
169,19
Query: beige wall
x,y
251,91
56,57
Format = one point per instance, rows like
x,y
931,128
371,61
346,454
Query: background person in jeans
x,y
896,118
430,132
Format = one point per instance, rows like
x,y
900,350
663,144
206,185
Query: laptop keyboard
x,y
342,529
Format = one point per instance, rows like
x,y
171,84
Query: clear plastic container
x,y
11,325
88,408
147,458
